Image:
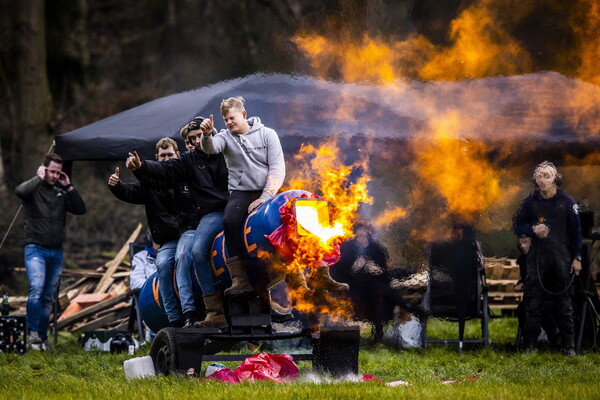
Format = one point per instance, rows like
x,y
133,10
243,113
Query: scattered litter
x,y
465,379
397,383
260,367
139,367
366,378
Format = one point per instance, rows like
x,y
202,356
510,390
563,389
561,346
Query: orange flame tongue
x,y
323,225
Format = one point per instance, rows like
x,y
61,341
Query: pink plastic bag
x,y
225,375
268,367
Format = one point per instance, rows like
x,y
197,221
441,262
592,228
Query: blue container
x,y
260,223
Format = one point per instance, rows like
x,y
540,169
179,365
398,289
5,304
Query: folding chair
x,y
457,289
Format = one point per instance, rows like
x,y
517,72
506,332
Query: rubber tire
x,y
164,352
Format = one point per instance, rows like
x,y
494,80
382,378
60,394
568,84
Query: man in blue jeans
x,y
46,199
168,210
207,179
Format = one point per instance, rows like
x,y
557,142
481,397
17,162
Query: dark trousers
x,y
551,265
233,219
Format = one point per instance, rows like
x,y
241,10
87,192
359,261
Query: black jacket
x,y
160,208
205,174
46,209
561,215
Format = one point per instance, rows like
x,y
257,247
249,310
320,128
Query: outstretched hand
x,y
208,125
133,161
114,178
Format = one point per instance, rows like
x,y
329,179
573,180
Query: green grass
x,y
69,372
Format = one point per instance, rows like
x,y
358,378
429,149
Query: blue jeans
x,y
184,265
210,225
165,265
43,267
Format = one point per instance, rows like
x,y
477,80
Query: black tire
x,y
164,352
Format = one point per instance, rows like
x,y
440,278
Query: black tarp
x,y
531,108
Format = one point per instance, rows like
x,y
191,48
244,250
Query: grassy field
x,y
69,372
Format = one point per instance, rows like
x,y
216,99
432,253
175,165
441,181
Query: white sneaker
x,y
34,342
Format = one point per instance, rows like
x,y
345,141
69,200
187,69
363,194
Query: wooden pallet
x,y
502,274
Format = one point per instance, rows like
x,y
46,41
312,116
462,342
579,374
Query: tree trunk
x,y
32,94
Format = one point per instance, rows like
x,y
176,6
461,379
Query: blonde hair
x,y
236,103
165,143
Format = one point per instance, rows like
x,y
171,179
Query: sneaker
x,y
46,345
34,342
569,352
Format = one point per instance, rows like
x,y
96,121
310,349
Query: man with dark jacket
x,y
549,216
206,176
46,199
166,210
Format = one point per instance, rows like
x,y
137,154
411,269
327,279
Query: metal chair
x,y
457,289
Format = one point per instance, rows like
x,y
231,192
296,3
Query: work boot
x,y
215,316
190,318
239,277
322,280
296,283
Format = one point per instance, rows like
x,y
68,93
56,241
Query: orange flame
x,y
320,171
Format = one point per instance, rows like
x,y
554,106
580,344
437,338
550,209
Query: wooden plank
x,y
502,295
112,265
504,306
98,323
501,281
86,312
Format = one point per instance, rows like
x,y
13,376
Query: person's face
x,y
194,139
235,121
53,171
166,154
545,178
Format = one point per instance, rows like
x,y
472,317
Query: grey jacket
x,y
254,159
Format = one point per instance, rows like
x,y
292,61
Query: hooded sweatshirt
x,y
254,159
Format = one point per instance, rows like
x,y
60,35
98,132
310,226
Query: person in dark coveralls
x,y
549,216
46,199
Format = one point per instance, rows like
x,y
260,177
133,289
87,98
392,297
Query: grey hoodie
x,y
254,159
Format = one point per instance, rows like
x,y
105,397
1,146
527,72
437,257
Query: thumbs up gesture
x,y
114,178
208,125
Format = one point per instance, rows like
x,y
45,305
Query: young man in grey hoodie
x,y
256,168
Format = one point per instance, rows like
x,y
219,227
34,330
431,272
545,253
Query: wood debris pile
x,y
97,299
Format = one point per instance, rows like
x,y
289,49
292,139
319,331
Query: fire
x,y
389,216
322,225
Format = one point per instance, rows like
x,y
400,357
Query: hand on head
x,y
133,161
41,171
208,125
63,179
114,178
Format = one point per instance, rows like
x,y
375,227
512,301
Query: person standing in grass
x,y
549,216
46,198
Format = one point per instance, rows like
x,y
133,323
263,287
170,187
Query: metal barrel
x,y
260,223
